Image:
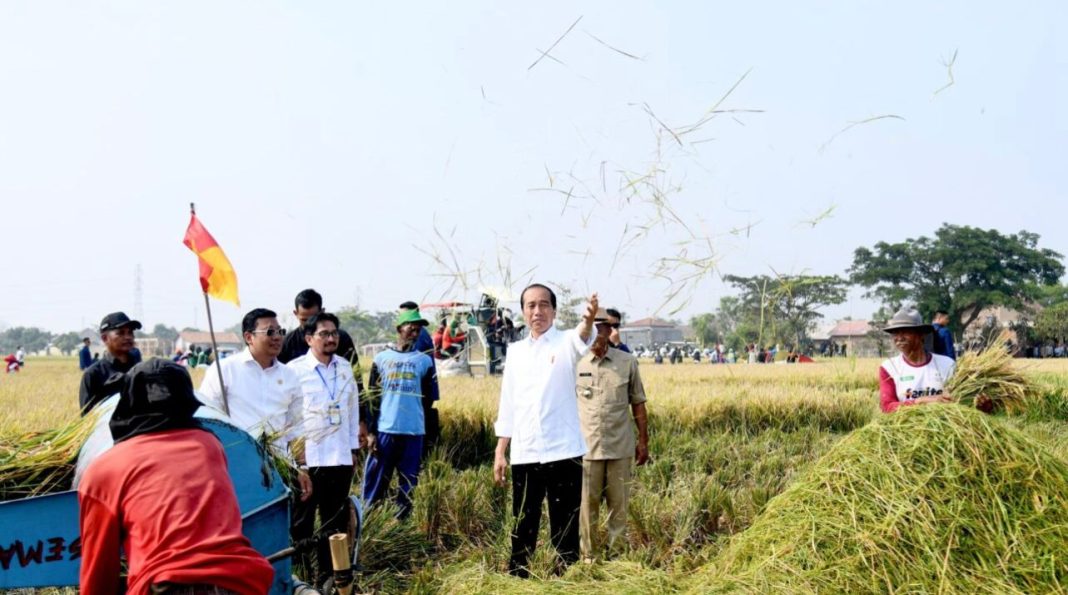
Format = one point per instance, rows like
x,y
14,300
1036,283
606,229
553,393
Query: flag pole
x,y
211,331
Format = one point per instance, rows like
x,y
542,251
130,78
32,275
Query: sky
x,y
348,146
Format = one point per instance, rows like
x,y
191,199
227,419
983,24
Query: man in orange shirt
x,y
162,495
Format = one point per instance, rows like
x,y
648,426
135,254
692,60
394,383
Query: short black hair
x,y
409,305
614,313
552,296
309,298
941,313
248,323
86,340
313,323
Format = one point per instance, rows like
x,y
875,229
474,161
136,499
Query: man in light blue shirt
x,y
402,379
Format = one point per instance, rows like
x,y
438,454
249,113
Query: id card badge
x,y
334,414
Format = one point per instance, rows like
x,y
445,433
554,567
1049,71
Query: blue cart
x,y
40,545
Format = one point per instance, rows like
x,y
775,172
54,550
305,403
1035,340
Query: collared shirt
x,y
607,387
95,387
294,346
260,400
538,410
331,410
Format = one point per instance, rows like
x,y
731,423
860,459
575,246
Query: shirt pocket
x,y
316,409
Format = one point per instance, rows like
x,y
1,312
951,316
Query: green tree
x,y
67,342
961,270
31,338
706,329
567,306
1052,323
785,307
365,327
165,333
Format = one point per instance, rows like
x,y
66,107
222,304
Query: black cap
x,y
155,396
117,320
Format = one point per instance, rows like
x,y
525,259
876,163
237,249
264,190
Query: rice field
x,y
725,440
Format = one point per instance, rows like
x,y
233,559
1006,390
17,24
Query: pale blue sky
x,y
322,141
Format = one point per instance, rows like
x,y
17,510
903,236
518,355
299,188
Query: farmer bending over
x,y
916,376
162,495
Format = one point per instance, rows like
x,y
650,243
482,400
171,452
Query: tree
x,y
365,327
165,333
567,305
706,329
1052,323
67,342
962,270
31,338
784,308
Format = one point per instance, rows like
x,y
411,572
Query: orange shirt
x,y
167,499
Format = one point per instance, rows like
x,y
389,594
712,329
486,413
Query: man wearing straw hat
x,y
538,426
402,381
609,391
915,376
163,496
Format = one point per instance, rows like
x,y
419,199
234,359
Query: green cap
x,y
406,316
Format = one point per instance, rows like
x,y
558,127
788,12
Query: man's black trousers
x,y
330,496
561,483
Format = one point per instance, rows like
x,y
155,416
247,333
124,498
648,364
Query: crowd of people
x,y
571,425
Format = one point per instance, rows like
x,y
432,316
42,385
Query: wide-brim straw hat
x,y
907,320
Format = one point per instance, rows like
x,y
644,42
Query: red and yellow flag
x,y
217,276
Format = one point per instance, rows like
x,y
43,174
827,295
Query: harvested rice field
x,y
763,478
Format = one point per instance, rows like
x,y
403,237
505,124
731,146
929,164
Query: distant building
x,y
858,337
228,342
650,330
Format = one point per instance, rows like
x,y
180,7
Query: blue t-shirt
x,y
943,342
402,378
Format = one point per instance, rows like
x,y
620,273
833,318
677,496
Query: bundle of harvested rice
x,y
41,462
932,499
988,380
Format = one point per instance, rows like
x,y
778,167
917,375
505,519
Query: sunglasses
x,y
327,334
270,332
609,324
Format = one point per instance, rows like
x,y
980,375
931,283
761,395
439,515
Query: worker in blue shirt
x,y
943,338
424,343
85,357
402,381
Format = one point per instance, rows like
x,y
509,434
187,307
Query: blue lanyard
x,y
332,393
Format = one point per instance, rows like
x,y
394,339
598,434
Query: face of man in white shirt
x,y
538,310
323,342
266,341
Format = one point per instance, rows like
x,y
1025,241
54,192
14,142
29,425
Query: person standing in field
x,y
402,381
308,303
117,333
163,497
916,376
538,425
262,396
424,343
331,430
615,320
609,391
943,337
20,355
85,357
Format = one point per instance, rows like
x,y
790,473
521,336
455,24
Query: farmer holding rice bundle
x,y
916,376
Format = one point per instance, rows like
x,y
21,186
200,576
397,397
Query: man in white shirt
x,y
262,396
538,418
331,430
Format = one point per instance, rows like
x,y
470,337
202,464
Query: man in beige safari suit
x,y
610,391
